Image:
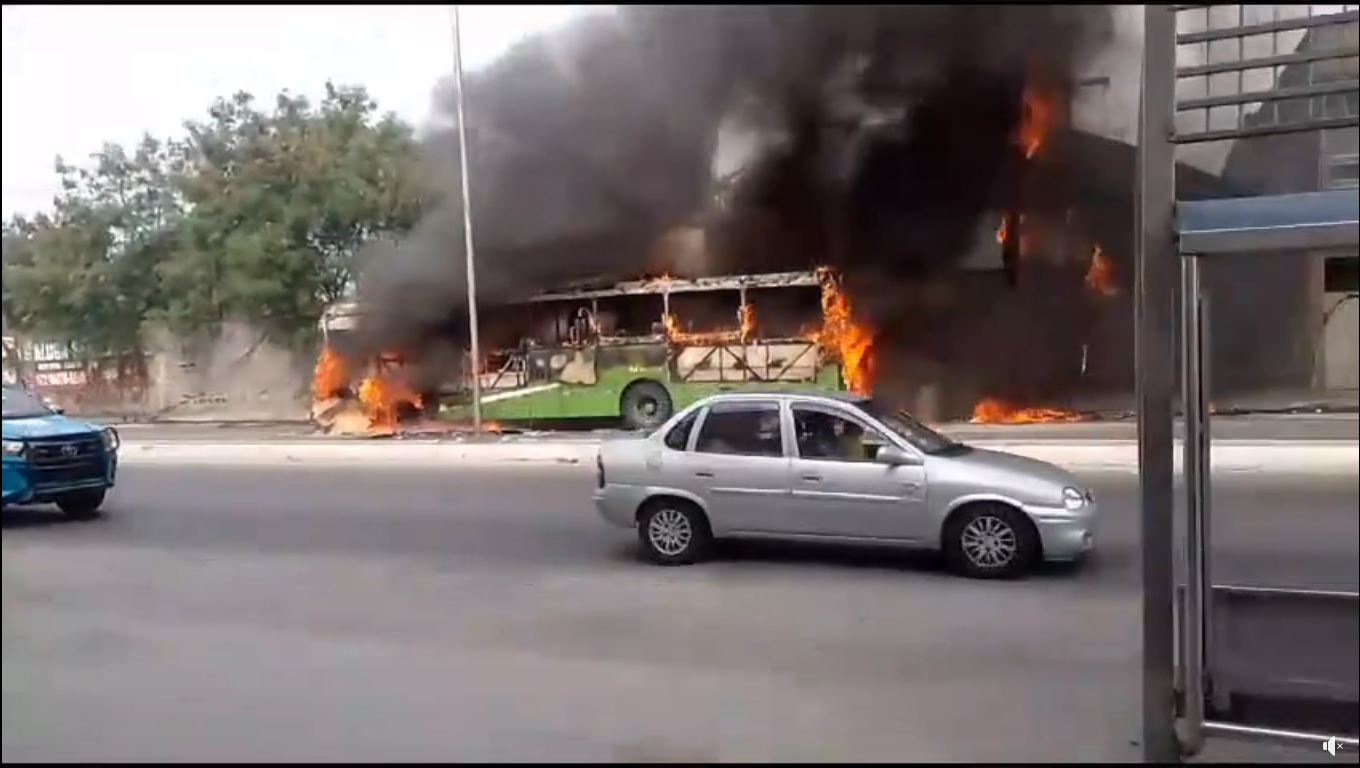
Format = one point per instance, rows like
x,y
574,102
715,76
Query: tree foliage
x,y
254,214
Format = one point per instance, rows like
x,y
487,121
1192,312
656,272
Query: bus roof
x,y
336,315
662,285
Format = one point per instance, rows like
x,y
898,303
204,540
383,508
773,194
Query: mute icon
x,y
1330,746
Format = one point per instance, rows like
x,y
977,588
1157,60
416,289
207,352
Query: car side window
x,y
826,436
678,438
742,429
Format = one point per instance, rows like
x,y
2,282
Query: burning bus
x,y
635,351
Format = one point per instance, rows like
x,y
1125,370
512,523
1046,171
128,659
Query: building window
x,y
1343,173
1341,274
1341,158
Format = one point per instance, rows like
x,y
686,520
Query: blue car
x,y
50,459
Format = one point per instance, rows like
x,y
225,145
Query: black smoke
x,y
885,134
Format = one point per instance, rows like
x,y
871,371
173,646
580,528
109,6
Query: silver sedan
x,y
837,468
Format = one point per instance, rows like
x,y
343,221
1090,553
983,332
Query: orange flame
x,y
1004,234
744,332
331,377
658,281
993,411
1100,275
383,393
1039,116
851,342
746,322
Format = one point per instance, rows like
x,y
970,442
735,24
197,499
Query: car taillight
x,y
599,471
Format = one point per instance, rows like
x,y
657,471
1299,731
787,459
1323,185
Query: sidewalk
x,y
1273,401
1313,457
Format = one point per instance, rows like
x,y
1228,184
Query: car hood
x,y
981,467
53,425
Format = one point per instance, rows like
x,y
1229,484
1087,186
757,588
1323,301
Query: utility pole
x,y
468,249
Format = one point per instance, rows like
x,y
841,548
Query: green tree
x,y
280,203
255,215
84,273
59,281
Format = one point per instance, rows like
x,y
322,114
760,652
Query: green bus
x,y
640,350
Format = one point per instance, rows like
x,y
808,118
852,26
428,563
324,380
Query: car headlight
x,y
1073,499
14,447
111,439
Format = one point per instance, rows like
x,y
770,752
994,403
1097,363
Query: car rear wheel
x,y
81,505
673,532
991,541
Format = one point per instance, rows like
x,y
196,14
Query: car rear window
x,y
741,429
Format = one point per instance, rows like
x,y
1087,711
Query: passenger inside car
x,y
833,438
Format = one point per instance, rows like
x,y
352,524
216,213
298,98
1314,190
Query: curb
x,y
1278,457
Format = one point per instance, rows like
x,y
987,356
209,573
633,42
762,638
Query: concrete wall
x,y
235,375
1341,353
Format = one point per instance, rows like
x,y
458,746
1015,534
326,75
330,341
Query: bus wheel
x,y
645,405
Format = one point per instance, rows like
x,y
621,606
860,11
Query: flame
x,y
1004,234
677,335
380,395
993,411
383,392
1100,275
1039,116
331,377
746,322
658,281
744,332
852,342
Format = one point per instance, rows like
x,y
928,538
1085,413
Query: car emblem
x,y
70,449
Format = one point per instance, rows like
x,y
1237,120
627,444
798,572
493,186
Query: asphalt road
x,y
1283,427
377,615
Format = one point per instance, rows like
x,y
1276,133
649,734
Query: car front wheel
x,y
991,541
81,505
672,532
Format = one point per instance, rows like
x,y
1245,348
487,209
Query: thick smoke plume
x,y
884,134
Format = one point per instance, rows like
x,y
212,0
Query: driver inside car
x,y
822,436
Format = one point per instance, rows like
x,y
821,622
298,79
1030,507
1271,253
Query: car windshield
x,y
907,427
20,404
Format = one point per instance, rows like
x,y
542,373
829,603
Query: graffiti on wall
x,y
9,362
66,377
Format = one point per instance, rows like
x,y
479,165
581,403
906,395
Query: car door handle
x,y
811,478
703,474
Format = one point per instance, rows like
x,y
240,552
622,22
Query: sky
x,y
78,76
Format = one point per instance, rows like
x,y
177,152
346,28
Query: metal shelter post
x,y
1194,404
1154,342
1315,662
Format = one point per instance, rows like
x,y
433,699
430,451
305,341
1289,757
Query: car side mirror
x,y
895,457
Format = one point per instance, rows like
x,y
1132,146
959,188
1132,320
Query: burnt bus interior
x,y
622,314
625,324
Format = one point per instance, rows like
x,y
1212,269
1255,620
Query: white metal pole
x,y
465,172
